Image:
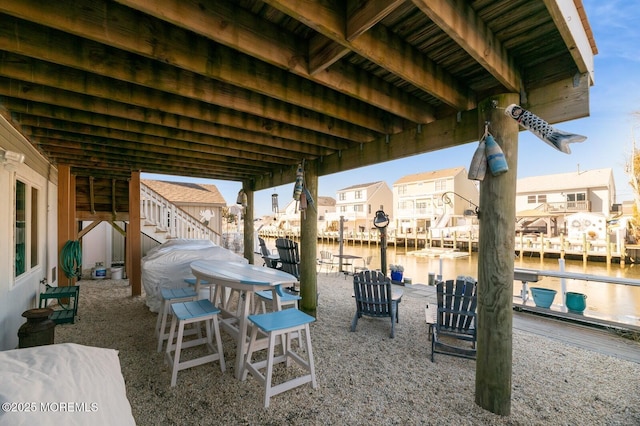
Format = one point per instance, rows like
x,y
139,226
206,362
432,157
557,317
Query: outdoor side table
x,y
69,310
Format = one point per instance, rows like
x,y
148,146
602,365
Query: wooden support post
x,y
495,262
247,223
309,243
66,209
134,239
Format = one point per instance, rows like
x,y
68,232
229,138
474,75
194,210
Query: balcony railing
x,y
569,206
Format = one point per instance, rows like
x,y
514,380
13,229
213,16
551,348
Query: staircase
x,y
161,220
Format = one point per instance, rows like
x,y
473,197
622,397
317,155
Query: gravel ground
x,y
363,377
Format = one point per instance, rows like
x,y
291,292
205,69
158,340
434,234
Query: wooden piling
x,y
309,244
496,262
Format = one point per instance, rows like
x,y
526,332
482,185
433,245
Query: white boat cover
x,y
167,265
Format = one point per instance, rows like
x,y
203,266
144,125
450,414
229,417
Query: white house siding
x,y
418,198
21,293
372,197
97,245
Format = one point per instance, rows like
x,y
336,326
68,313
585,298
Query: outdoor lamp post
x,y
381,221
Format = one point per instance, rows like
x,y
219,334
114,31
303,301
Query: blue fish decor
x,y
558,139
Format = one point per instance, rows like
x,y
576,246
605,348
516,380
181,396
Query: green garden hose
x,y
71,259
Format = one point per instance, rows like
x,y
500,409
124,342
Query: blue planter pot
x,y
576,302
543,297
396,276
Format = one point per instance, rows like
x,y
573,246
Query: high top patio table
x,y
246,279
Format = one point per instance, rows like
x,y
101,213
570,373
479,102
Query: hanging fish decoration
x,y
297,187
478,167
558,139
495,157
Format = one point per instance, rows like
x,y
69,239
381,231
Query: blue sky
x,y
614,98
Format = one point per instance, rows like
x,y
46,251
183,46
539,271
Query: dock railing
x,y
526,276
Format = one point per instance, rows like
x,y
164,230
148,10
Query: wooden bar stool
x,y
280,324
170,296
188,313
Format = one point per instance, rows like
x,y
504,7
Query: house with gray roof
x,y
544,202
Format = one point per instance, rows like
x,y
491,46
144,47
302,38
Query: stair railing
x,y
167,217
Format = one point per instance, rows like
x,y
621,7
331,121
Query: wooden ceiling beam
x,y
461,23
216,121
92,158
383,48
177,70
48,116
571,23
364,14
240,30
323,53
99,138
361,15
47,74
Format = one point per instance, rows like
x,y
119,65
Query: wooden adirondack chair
x,y
454,332
375,298
265,253
289,257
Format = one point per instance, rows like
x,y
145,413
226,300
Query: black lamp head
x,y
381,220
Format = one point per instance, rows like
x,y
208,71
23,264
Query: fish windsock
x,y
478,167
558,139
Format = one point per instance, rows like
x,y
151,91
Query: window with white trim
x,y
26,228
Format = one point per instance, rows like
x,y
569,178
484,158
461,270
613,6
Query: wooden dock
x,y
538,245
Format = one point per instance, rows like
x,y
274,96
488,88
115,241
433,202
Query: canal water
x,y
613,302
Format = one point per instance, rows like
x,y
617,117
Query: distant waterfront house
x,y
421,203
289,218
202,201
358,205
543,203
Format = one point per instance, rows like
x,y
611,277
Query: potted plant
x,y
396,272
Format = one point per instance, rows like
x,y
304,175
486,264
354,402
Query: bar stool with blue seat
x,y
192,283
280,324
170,296
188,313
286,298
